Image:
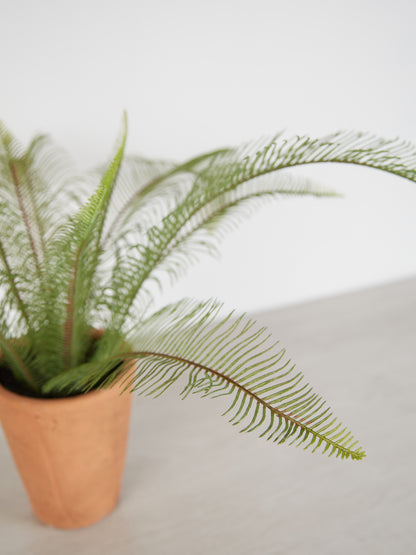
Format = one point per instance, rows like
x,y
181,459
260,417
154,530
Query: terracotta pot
x,y
70,452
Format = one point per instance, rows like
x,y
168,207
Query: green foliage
x,y
81,253
225,356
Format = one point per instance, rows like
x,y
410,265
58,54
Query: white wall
x,y
197,75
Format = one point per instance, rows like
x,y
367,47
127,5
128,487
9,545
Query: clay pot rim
x,y
23,402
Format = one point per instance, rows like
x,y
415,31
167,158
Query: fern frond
x,y
52,173
229,172
86,233
29,178
222,356
209,226
133,191
148,190
72,264
16,194
21,244
8,277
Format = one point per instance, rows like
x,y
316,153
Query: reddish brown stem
x,y
234,383
26,219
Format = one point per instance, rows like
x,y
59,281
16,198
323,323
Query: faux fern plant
x,y
78,254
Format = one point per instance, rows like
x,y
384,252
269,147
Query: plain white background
x,y
194,76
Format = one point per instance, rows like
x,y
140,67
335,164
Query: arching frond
x,y
53,174
29,178
135,174
205,231
147,190
36,195
21,219
223,356
229,172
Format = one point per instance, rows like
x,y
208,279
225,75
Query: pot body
x,y
70,452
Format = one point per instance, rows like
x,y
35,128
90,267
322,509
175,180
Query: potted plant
x,y
80,262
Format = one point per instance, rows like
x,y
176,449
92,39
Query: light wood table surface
x,y
194,486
